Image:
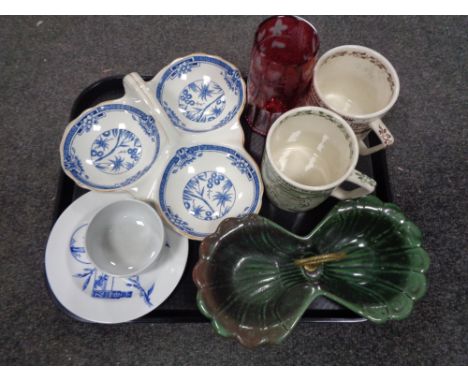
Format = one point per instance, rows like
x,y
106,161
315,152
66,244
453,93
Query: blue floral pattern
x,y
116,151
114,164
202,101
242,165
72,164
183,67
209,195
185,156
196,113
232,78
104,285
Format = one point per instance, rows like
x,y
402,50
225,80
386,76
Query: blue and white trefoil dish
x,y
137,143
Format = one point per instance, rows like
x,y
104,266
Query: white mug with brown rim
x,y
309,153
361,86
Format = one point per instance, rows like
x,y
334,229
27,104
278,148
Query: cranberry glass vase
x,y
281,67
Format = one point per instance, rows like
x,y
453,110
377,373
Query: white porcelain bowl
x,y
124,238
204,184
201,93
110,147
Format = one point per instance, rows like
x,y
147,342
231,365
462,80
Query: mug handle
x,y
365,183
384,135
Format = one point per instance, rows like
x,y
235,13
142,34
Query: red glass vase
x,y
281,66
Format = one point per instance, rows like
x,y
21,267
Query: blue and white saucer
x,y
201,93
110,147
204,184
92,295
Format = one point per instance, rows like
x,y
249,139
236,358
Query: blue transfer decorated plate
x,y
92,295
204,184
110,147
201,93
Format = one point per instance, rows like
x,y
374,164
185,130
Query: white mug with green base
x,y
309,153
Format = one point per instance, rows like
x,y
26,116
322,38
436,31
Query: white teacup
x,y
309,153
360,85
125,238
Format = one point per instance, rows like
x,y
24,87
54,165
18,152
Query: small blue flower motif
x,y
183,67
242,165
185,156
117,164
134,153
186,97
202,101
232,78
116,151
209,195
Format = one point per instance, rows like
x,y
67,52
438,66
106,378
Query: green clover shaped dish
x,y
255,279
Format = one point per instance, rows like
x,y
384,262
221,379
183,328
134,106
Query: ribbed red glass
x,y
281,67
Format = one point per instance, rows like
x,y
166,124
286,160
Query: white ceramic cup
x,y
125,238
309,153
361,86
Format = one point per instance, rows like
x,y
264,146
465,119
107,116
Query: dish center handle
x,y
311,263
135,86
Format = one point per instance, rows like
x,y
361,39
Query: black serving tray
x,y
181,305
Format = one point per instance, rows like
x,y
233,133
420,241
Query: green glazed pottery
x,y
256,279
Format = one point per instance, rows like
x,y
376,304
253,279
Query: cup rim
x,y
146,264
255,44
372,52
352,163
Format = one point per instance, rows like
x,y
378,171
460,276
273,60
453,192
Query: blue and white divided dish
x,y
110,147
204,184
201,93
90,294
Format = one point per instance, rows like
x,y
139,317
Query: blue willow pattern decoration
x,y
209,195
117,164
116,151
103,284
232,79
202,101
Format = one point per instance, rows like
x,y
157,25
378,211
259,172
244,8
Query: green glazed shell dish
x,y
256,279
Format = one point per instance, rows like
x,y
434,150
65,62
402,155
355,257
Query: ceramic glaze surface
x,y
359,84
201,93
251,288
354,83
125,237
110,147
194,101
309,152
218,200
202,101
309,149
99,285
203,184
116,151
92,295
